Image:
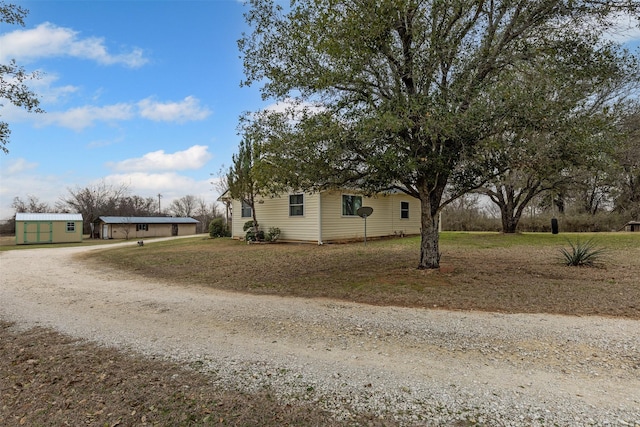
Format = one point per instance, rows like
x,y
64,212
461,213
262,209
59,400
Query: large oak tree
x,y
628,159
407,93
572,140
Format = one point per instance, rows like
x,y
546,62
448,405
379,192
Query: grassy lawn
x,y
8,243
479,271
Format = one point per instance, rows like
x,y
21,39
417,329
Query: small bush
x,y
218,228
273,234
582,253
252,236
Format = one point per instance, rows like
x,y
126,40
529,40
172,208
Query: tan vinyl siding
x,y
335,226
332,225
119,231
385,220
34,232
237,220
186,229
409,225
274,212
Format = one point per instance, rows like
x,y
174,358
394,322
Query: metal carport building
x,y
35,228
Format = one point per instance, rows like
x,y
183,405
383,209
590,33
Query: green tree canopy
x,y
407,93
243,178
13,77
628,161
571,144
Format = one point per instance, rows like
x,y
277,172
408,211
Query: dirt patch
x,y
50,379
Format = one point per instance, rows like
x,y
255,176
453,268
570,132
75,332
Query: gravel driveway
x,y
430,367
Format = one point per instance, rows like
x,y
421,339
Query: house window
x,y
296,205
404,210
350,205
246,210
71,227
142,227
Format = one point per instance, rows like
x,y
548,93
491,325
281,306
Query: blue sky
x,y
144,93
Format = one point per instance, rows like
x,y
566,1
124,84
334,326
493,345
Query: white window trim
x,y
408,210
355,214
242,209
297,204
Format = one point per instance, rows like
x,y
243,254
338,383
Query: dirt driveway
x,y
415,363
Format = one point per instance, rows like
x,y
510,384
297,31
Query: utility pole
x,y
159,208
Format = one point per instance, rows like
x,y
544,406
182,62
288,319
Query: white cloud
x,y
16,166
291,108
82,117
170,185
19,178
48,40
294,107
97,143
48,92
188,109
192,158
626,29
145,183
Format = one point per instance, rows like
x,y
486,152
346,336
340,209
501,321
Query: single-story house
x,y
329,216
137,227
33,228
632,226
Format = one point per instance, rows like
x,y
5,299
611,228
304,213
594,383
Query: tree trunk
x,y
513,202
509,220
255,219
256,228
429,245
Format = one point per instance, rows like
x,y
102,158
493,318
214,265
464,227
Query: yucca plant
x,y
582,253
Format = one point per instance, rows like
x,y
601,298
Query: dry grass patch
x,y
8,243
480,271
49,379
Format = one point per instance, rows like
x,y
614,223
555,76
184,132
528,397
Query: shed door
x,y
38,232
105,231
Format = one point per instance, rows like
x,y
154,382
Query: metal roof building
x,y
35,228
48,217
137,227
